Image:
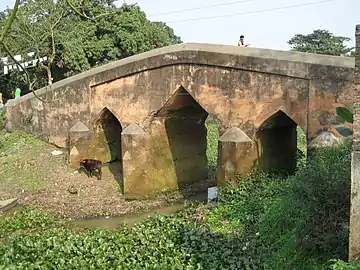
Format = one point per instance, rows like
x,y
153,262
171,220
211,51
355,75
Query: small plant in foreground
x,y
2,119
348,116
341,265
23,220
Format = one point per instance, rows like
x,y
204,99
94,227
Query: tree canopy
x,y
321,42
78,37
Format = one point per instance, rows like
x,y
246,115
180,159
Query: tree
x,y
79,36
123,32
321,42
38,25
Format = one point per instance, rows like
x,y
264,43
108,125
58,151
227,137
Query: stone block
x,y
237,154
172,153
147,164
79,137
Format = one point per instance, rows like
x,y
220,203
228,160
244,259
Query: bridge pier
x,y
171,154
79,136
141,164
237,154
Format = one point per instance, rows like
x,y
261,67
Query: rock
x,y
324,139
72,189
56,153
6,205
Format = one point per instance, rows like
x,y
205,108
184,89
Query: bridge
x,y
149,110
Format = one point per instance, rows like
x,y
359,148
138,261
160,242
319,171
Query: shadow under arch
x,y
107,131
184,120
277,144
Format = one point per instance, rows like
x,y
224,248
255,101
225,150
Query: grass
x,y
19,158
212,139
265,222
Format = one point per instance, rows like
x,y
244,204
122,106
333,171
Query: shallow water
x,y
130,220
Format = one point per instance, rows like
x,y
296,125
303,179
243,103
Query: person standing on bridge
x,y
241,42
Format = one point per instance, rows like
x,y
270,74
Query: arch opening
x,y
281,144
107,130
212,146
192,138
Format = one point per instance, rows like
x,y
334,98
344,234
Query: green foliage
x,y
24,220
74,44
265,222
341,265
212,141
348,116
321,42
296,223
158,243
19,152
345,114
2,119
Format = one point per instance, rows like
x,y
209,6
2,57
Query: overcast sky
x,y
265,23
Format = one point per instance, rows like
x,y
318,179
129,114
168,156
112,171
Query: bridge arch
x,y
106,144
276,142
107,131
190,144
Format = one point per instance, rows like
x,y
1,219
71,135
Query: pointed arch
x,y
107,130
281,116
186,125
182,104
106,143
276,141
105,113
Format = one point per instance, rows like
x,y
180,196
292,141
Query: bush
x,y
341,265
2,119
301,221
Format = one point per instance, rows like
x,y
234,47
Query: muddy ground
x,y
28,170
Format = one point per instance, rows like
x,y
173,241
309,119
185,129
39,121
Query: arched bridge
x,y
148,110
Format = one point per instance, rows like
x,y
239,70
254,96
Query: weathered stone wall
x,y
354,238
241,89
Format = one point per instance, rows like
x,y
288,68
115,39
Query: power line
x,y
251,12
201,7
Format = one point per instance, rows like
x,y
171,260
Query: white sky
x,y
264,29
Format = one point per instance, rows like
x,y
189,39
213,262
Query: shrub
x,y
2,119
300,222
341,265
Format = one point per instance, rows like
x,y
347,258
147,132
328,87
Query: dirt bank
x,y
29,170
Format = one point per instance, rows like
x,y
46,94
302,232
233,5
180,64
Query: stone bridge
x,y
148,111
